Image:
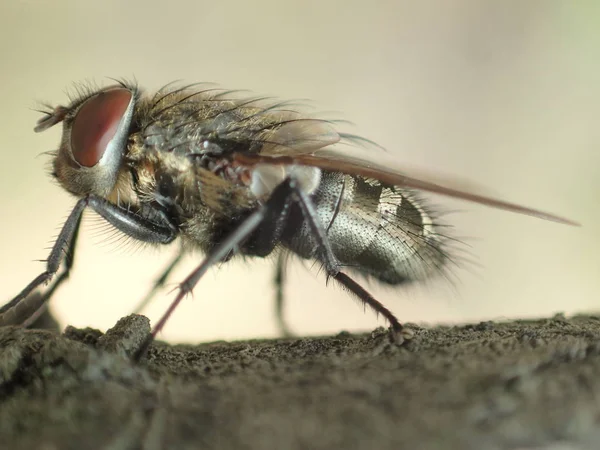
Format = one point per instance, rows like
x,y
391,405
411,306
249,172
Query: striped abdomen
x,y
376,230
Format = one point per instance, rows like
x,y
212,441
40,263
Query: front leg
x,y
159,230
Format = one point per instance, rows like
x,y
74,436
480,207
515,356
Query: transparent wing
x,y
384,168
276,134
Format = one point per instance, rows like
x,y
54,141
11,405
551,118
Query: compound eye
x,y
96,123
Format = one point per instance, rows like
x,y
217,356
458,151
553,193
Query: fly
x,y
229,176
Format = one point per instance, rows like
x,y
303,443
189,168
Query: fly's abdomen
x,y
375,230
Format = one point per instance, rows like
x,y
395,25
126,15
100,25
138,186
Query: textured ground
x,y
524,384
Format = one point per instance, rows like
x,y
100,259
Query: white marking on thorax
x,y
266,177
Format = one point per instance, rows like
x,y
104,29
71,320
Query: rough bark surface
x,y
517,385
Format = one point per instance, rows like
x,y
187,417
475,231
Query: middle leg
x,y
160,281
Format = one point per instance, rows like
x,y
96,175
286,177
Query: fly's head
x,y
96,127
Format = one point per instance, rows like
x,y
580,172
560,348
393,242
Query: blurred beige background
x,y
505,94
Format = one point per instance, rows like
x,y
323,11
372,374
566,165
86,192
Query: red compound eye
x,y
96,123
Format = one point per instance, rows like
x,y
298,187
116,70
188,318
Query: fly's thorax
x,y
94,141
195,193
